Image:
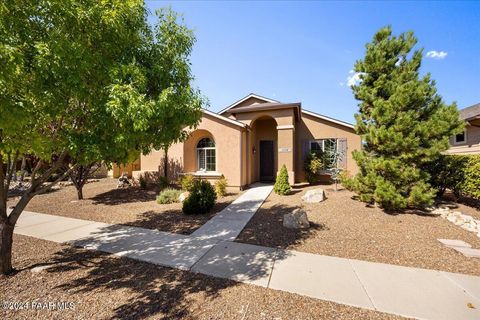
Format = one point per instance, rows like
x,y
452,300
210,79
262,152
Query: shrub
x,y
221,186
282,187
143,182
162,182
187,182
168,195
471,183
459,173
313,165
446,172
201,199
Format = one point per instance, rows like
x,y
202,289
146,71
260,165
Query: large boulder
x,y
296,220
314,196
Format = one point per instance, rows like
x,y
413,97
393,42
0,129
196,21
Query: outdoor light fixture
x,y
254,150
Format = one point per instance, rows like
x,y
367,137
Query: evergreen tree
x,y
403,123
282,187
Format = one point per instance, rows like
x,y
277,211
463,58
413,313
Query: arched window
x,y
206,156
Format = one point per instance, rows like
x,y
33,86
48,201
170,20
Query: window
x,y
332,151
460,138
206,156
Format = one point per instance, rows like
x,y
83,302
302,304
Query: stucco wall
x,y
311,128
471,146
183,156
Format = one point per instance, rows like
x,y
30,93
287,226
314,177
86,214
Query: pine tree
x,y
403,123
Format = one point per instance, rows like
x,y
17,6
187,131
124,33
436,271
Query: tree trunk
x,y
6,240
165,165
80,192
23,169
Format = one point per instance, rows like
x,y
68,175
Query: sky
x,y
305,51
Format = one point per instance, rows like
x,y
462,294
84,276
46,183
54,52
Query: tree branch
x,y
11,169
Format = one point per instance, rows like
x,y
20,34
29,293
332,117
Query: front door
x,y
266,161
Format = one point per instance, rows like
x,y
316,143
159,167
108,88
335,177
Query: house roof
x,y
218,116
317,115
270,106
470,112
251,95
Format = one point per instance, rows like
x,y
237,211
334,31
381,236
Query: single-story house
x,y
250,141
467,142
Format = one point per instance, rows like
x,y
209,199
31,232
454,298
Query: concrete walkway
x,y
410,292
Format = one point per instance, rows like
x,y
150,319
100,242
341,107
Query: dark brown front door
x,y
266,161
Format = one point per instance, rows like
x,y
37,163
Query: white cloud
x,y
437,54
353,78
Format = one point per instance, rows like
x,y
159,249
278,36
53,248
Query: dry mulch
x,y
102,286
103,202
344,227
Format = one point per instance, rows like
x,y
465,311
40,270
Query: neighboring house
x,y
252,139
467,142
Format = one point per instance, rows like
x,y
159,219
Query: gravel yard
x,y
344,227
101,286
132,206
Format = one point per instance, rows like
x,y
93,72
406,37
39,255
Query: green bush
x,y
163,182
458,173
143,182
168,195
187,182
201,199
313,165
471,183
282,187
221,186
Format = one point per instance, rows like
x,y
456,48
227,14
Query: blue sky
x,y
303,51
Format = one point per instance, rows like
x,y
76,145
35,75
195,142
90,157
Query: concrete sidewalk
x,y
410,292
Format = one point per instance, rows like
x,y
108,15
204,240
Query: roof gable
x,y
248,100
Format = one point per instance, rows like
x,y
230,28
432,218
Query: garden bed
x,y
344,227
102,286
131,206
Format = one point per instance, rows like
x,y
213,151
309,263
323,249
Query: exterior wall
x,y
276,125
471,146
310,128
183,156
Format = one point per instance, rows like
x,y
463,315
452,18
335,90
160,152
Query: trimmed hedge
x,y
459,173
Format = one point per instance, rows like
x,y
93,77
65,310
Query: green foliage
x,y
313,165
403,122
187,182
446,172
471,184
282,187
459,173
143,182
163,182
168,195
221,186
201,199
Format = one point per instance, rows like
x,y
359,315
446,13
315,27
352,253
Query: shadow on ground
x,y
266,227
120,196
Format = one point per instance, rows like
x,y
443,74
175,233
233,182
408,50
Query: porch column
x,y
286,150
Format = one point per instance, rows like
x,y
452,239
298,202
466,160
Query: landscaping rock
x,y
313,196
296,220
464,221
183,196
123,181
41,268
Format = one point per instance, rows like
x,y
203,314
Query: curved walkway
x,y
410,292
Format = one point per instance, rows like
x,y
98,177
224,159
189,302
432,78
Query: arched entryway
x,y
263,139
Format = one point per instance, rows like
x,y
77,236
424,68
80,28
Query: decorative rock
x,y
123,181
183,196
313,196
41,268
296,220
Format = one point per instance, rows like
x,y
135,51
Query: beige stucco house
x,y
252,139
467,142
